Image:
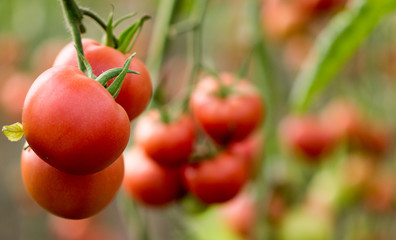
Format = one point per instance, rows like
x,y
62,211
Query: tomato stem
x,y
159,38
94,16
196,49
73,19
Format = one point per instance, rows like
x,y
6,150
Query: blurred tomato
x,y
380,194
283,18
307,136
169,144
250,150
12,50
216,179
13,93
239,214
148,182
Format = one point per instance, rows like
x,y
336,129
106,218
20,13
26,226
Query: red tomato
x,y
250,149
73,123
169,144
239,214
306,135
148,182
67,195
229,118
136,90
217,179
13,92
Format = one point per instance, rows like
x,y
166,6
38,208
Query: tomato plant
x,y
148,182
227,109
216,179
136,89
169,144
73,123
67,195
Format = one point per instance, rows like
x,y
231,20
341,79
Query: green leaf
x,y
128,37
13,132
115,87
335,46
123,19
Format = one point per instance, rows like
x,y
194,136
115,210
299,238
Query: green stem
x,y
94,16
73,18
159,38
196,50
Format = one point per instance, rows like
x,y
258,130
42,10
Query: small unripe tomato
x,y
169,144
148,182
67,195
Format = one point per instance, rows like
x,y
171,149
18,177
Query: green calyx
x,y
119,73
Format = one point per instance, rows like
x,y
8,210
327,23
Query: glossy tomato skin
x,y
67,195
136,90
305,135
230,118
169,144
73,123
217,179
148,182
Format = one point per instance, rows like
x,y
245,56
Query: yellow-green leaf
x,y
13,132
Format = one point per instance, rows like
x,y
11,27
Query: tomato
x,y
217,179
136,90
360,132
169,144
250,150
67,195
318,6
305,135
148,182
283,18
239,214
13,92
229,118
73,123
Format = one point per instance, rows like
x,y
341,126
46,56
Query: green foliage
x,y
335,46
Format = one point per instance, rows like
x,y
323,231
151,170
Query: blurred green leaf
x,y
334,47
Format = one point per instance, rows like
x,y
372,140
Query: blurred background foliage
x,y
348,194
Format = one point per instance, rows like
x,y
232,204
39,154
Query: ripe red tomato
x,y
306,135
67,195
250,149
136,90
217,179
148,182
229,118
169,144
73,123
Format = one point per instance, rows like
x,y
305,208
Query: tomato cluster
x,y
208,152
